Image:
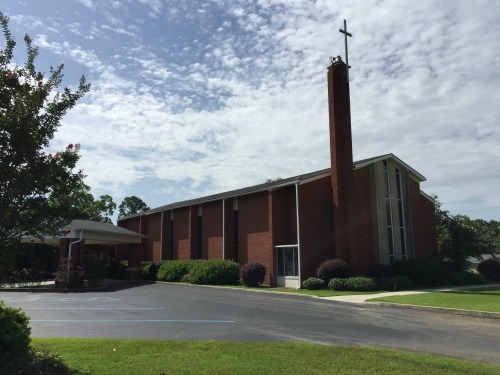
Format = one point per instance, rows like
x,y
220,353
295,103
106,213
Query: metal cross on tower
x,y
346,34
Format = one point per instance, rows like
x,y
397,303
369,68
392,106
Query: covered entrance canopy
x,y
93,233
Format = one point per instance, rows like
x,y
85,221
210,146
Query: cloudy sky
x,y
191,98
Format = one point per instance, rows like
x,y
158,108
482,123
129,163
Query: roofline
x,y
366,162
278,184
267,186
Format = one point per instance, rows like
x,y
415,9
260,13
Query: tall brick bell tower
x,y
341,156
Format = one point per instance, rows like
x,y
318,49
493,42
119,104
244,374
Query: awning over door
x,y
93,233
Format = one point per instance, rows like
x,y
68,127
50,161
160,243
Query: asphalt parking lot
x,y
186,312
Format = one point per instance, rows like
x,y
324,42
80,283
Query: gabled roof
x,y
268,186
365,162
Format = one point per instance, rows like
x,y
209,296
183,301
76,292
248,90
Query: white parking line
x,y
93,308
128,321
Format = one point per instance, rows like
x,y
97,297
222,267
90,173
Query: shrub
x,y
490,268
145,270
117,270
313,283
333,268
253,274
396,283
215,272
355,284
174,270
14,335
464,278
424,272
381,271
95,269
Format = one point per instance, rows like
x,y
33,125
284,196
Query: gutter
x,y
69,252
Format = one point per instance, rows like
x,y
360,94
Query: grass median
x,y
483,299
126,356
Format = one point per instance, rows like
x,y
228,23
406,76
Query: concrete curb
x,y
441,310
50,288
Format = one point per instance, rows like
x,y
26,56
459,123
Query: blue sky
x,y
197,97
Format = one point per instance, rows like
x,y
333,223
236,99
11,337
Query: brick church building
x,y
364,212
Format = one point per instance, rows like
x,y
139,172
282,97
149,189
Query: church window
x,y
402,229
388,208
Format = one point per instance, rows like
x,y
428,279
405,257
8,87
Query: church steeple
x,y
340,152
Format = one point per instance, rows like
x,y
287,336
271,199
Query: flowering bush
x,y
72,276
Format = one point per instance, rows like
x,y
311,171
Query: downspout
x,y
69,252
223,228
298,231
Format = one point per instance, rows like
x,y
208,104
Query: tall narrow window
x,y
200,236
171,237
388,208
200,232
171,234
235,235
401,215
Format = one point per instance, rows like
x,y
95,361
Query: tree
x,y
35,186
132,206
459,239
85,207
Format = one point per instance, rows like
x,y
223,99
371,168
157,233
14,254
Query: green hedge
x,y
313,283
333,268
354,284
149,271
396,283
423,272
253,274
490,268
174,270
14,336
464,278
215,272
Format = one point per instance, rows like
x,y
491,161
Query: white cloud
x,y
236,94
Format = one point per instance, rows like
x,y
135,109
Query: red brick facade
x,y
340,211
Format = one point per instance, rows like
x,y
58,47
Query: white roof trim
x,y
366,162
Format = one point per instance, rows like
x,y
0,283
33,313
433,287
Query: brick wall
x,y
212,230
316,223
284,216
255,231
423,222
153,231
182,234
361,240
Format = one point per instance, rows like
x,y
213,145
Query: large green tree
x,y
85,207
132,206
35,186
460,238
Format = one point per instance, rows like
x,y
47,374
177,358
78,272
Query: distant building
x,y
366,212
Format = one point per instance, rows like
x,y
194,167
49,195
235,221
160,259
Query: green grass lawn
x,y
124,356
484,299
317,293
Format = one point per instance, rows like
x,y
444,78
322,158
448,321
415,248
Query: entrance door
x,y
288,267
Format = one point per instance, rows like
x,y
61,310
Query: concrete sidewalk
x,y
362,298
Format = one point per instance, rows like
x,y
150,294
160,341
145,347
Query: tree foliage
x,y
132,206
85,207
35,186
459,238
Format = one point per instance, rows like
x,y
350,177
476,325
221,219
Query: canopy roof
x,y
93,233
